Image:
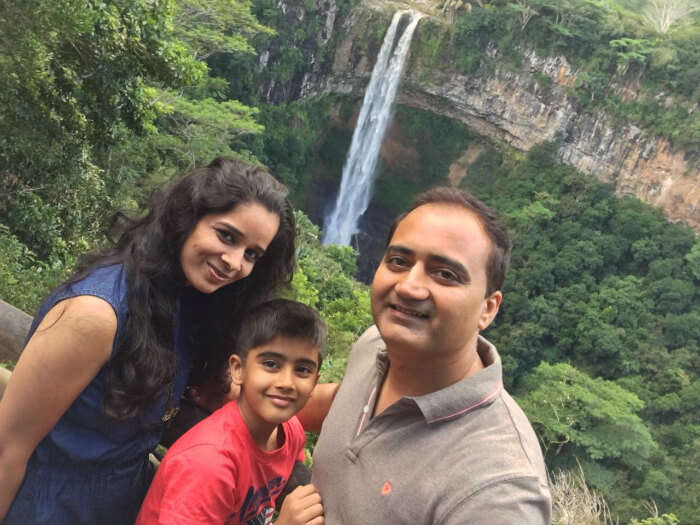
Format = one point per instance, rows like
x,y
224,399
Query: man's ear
x,y
489,309
236,366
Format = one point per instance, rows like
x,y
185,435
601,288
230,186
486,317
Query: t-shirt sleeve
x,y
521,500
197,488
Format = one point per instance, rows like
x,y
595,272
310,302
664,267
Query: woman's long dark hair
x,y
143,365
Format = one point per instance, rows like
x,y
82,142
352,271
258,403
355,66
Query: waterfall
x,y
359,170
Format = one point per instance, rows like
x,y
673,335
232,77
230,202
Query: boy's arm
x,y
317,407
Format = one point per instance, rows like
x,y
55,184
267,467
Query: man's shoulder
x,y
370,339
363,355
506,443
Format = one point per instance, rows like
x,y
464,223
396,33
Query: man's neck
x,y
417,374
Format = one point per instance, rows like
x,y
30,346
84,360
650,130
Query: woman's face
x,y
223,247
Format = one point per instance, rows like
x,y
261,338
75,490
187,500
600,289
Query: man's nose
x,y
412,284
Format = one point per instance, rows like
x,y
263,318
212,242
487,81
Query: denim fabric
x,y
91,469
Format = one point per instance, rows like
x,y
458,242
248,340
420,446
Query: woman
x,y
110,352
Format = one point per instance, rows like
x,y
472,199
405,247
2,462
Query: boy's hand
x,y
302,507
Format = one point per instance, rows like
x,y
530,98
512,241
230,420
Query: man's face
x,y
428,293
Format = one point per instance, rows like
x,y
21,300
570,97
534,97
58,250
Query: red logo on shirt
x,y
386,488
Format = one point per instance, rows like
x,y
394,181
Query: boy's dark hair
x,y
280,318
499,258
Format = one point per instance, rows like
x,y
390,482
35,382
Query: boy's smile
x,y
276,380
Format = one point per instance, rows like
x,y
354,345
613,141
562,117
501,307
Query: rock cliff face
x,y
512,107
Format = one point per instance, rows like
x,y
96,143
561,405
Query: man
x,y
421,430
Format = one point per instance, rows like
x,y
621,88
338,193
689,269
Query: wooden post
x,y
14,326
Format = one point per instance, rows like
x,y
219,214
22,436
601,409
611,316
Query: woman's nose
x,y
233,259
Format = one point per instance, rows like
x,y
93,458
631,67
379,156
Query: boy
x,y
230,467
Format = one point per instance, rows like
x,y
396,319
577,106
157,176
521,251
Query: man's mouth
x,y
409,311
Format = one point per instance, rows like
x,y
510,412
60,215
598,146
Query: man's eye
x,y
395,260
447,275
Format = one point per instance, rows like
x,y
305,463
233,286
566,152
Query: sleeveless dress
x,y
91,469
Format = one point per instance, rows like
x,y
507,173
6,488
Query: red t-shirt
x,y
216,474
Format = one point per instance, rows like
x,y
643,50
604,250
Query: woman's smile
x,y
224,247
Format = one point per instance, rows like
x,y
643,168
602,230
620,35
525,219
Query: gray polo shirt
x,y
465,454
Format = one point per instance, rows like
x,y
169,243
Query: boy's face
x,y
276,381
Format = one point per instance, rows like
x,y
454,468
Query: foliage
x,y
220,26
24,279
74,73
612,50
580,416
666,519
609,287
574,502
325,280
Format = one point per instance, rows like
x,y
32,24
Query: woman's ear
x,y
236,366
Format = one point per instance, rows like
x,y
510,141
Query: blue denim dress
x,y
91,469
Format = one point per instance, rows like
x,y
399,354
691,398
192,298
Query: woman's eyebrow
x,y
238,233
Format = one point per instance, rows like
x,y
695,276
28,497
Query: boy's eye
x,y
304,370
270,363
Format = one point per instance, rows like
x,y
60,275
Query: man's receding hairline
x,y
447,204
458,207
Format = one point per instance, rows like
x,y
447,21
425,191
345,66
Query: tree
x,y
662,14
217,26
74,74
574,413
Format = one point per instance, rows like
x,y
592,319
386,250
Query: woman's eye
x,y
225,235
252,255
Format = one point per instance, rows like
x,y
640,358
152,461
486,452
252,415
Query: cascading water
x,y
359,170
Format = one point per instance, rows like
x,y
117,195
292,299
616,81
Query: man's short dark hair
x,y
280,318
499,258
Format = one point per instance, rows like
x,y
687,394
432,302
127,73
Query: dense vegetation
x,y
600,329
600,326
616,47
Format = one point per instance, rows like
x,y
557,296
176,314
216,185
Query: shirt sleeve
x,y
198,488
520,500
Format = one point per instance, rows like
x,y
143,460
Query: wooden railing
x,y
14,325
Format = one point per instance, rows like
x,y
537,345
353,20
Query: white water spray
x,y
359,170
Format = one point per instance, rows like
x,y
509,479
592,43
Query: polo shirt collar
x,y
478,390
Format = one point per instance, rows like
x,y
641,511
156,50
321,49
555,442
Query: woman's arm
x,y
66,352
